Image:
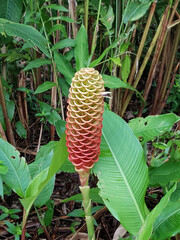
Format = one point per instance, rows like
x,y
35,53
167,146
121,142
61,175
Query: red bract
x,y
84,118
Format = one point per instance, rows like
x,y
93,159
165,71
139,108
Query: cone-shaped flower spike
x,y
84,118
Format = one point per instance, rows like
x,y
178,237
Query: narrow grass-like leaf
x,y
153,126
64,43
167,224
147,228
37,63
81,48
114,82
64,66
17,176
122,173
44,87
98,60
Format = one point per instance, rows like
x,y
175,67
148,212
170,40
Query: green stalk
x,y
87,209
84,188
86,14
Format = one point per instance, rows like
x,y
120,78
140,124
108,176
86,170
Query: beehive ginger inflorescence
x,y
84,118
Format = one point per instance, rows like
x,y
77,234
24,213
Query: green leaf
x,y
122,173
18,176
97,61
1,188
116,60
56,7
126,65
81,51
167,224
3,168
107,17
27,33
21,131
36,168
152,126
37,63
94,196
58,27
135,10
64,67
11,10
64,43
62,18
147,228
114,82
41,180
167,172
60,127
44,87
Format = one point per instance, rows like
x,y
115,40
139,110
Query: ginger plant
x,y
83,130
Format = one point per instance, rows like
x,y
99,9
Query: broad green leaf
x,y
94,195
11,9
147,228
58,27
27,33
3,168
37,63
44,87
56,7
21,131
64,67
107,17
18,176
152,126
37,185
122,173
60,127
167,172
64,86
36,168
97,61
64,43
81,52
126,65
167,224
135,10
114,82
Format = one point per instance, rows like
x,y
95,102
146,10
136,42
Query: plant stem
x,y
24,225
87,210
86,14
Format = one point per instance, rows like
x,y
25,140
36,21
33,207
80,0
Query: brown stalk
x,y
141,70
22,103
2,133
140,49
72,13
9,130
162,104
155,60
170,63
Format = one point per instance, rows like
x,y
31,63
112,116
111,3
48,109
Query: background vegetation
x,y
135,46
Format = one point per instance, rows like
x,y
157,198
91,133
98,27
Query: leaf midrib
x,y
125,180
